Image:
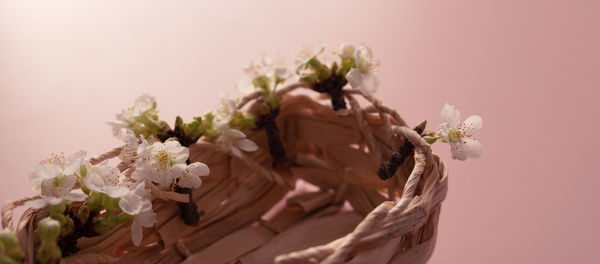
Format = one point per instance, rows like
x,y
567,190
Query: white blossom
x,y
138,204
189,176
460,135
132,201
165,163
226,112
142,106
57,190
54,178
55,166
305,54
129,151
267,66
363,75
145,218
235,141
106,179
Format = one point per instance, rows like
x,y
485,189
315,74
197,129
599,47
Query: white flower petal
x,y
365,53
59,187
246,145
472,148
94,181
171,146
136,233
369,83
443,131
145,218
198,168
126,115
471,124
466,148
354,78
54,200
450,115
116,128
131,204
116,191
245,85
69,182
42,172
37,203
181,156
227,110
191,176
129,138
177,170
236,152
233,133
141,191
189,181
139,174
282,73
75,197
159,175
73,162
457,152
143,104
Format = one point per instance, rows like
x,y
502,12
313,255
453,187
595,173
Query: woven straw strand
x,y
365,129
108,155
384,213
7,210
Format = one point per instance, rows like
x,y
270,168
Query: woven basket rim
x,y
388,220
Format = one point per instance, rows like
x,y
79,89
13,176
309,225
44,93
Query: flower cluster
x,y
141,118
357,67
104,188
155,156
165,164
362,75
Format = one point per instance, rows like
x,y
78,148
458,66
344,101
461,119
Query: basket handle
x,y
383,215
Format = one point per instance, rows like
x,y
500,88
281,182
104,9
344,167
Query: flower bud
x,y
9,245
83,214
262,82
430,140
48,230
346,51
178,122
421,127
190,128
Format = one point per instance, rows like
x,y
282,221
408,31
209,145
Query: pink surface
x,y
529,68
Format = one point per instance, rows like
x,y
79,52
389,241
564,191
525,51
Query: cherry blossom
x,y
460,135
55,178
363,75
164,163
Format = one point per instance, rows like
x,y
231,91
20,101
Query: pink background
x,y
529,68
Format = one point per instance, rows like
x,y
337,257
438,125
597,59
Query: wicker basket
x,y
251,213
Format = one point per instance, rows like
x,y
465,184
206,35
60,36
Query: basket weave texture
x,y
250,213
